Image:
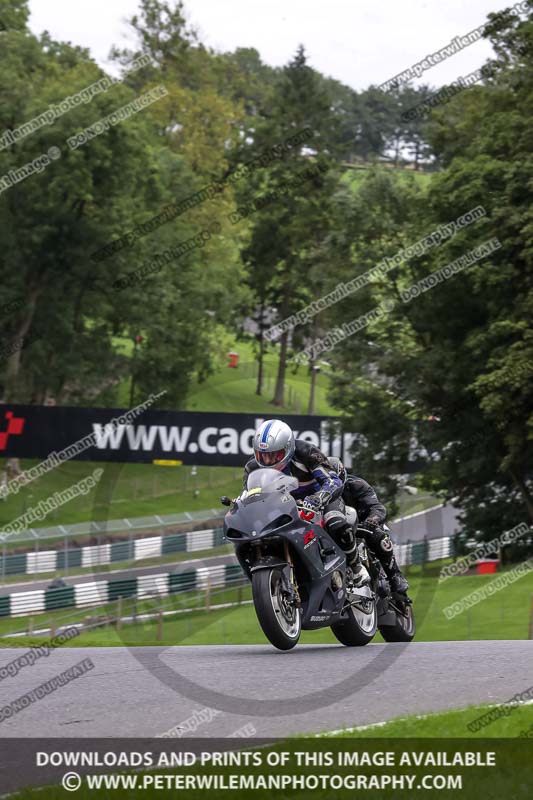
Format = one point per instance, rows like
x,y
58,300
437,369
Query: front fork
x,y
293,581
288,577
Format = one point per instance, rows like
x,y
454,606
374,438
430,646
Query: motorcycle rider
x,y
275,447
372,514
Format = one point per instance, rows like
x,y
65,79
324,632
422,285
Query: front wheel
x,y
280,620
359,628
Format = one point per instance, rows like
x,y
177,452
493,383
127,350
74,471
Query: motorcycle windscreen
x,y
271,480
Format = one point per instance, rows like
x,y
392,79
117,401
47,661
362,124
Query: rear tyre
x,y
361,625
281,622
405,628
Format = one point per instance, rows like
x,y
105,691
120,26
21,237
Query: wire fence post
x,y
3,563
407,564
119,613
159,633
66,554
208,594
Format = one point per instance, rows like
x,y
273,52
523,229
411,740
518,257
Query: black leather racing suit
x,y
360,495
315,476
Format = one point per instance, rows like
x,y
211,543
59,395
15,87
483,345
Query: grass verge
x,y
503,615
517,720
131,490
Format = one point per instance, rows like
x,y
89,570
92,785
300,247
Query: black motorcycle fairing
x,y
257,514
263,522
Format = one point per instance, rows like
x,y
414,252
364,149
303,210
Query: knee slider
x,y
335,521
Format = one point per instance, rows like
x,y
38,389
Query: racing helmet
x,y
273,444
338,467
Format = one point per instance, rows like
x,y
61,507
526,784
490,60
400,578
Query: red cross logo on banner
x,y
15,426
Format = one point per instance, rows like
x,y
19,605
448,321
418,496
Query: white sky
x,y
356,41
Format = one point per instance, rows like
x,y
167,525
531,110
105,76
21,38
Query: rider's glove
x,y
371,522
317,500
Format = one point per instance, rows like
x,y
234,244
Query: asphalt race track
x,y
147,691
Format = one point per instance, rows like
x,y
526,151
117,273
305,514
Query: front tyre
x,y
280,621
360,625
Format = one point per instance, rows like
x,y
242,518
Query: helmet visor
x,y
268,459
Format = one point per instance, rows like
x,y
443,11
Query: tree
x,y
459,357
280,240
51,222
375,221
414,131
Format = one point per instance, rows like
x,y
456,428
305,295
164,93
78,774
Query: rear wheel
x,y
361,624
404,630
280,620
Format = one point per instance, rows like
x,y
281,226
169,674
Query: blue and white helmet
x,y
273,444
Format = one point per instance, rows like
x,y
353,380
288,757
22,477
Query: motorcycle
x,y
299,576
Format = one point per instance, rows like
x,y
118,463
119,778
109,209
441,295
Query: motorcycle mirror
x,y
226,501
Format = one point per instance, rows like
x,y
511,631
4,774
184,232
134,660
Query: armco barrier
x,y
88,595
424,551
42,561
100,592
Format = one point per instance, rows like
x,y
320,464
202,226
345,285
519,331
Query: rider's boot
x,y
394,575
360,575
380,542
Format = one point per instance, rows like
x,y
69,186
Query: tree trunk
x,y
417,155
526,494
77,327
312,388
279,393
397,152
13,361
259,388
